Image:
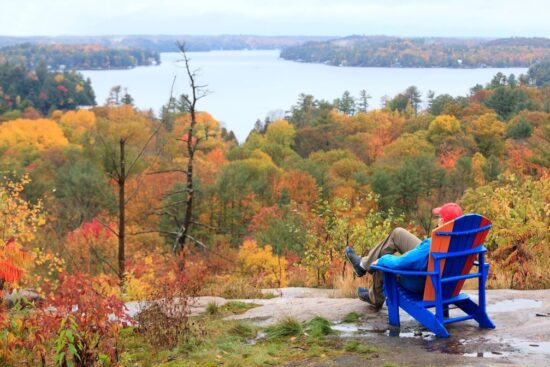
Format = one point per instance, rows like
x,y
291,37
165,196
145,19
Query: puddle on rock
x,y
479,348
529,346
349,330
345,330
486,354
353,330
416,334
513,305
259,336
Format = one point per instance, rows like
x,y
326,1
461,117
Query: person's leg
x,y
376,291
399,240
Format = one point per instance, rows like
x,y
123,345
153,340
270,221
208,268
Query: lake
x,y
247,85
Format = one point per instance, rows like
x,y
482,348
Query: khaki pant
x,y
400,240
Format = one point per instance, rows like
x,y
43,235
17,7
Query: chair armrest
x,y
402,272
445,255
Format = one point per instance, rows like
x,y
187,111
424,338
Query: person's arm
x,y
415,259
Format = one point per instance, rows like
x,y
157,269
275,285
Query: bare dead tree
x,y
192,141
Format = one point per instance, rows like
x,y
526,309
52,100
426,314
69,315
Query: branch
x,y
94,252
204,225
175,203
179,234
208,249
151,231
127,173
197,242
176,192
107,226
167,171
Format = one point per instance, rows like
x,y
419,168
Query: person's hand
x,y
375,262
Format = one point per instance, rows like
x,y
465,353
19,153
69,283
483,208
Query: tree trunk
x,y
122,213
190,193
192,141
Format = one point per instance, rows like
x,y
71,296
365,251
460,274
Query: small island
x,y
385,51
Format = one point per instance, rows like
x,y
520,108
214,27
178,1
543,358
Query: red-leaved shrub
x,y
77,323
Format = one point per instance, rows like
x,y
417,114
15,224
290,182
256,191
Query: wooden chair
x,y
453,251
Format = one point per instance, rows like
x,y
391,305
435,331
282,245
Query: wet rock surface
x,y
522,336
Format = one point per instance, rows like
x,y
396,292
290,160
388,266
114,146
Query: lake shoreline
x,y
255,84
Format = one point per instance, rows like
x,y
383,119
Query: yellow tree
x,y
19,221
77,123
488,133
443,126
39,134
258,261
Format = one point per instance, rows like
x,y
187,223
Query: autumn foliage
x,y
39,134
262,266
19,221
276,210
84,326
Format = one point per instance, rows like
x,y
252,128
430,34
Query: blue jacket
x,y
415,259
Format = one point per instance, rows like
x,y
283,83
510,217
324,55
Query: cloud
x,y
321,17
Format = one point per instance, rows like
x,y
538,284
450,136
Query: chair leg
x,y
425,317
471,308
446,311
392,298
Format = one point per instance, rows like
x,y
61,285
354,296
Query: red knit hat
x,y
448,211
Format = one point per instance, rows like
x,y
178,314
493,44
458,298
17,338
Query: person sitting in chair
x,y
414,256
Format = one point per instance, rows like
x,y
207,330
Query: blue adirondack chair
x,y
453,251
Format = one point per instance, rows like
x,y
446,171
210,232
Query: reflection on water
x,y
480,347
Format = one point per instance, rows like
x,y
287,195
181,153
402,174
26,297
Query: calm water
x,y
247,85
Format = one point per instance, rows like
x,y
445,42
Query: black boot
x,y
355,262
363,295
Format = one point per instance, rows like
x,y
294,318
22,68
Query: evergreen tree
x,y
346,104
363,104
127,99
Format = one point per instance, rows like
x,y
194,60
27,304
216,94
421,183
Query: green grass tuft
x,y
212,308
351,317
319,327
238,307
353,345
243,330
286,327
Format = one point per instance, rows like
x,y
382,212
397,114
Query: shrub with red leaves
x,y
95,321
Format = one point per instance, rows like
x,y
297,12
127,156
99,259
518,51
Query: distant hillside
x,y
65,56
167,43
382,51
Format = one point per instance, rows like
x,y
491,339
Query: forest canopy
x,y
73,57
42,90
383,51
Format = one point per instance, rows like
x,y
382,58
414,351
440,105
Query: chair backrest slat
x,y
458,235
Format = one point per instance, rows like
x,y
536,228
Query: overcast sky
x,y
483,18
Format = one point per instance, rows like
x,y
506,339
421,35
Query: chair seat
x,y
417,298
